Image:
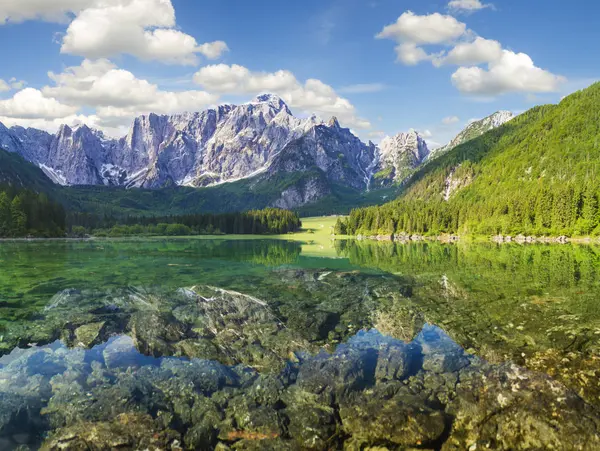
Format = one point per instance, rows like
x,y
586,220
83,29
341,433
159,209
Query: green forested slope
x,y
537,174
18,173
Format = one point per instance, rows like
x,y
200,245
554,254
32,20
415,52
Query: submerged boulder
x,y
127,431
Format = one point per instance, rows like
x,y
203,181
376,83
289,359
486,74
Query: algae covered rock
x,y
89,334
403,420
506,407
129,431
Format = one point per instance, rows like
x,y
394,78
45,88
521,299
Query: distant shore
x,y
499,239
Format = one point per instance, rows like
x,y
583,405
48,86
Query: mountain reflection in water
x,y
253,345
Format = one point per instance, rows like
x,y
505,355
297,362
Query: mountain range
x,y
259,142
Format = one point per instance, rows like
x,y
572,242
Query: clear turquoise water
x,y
230,343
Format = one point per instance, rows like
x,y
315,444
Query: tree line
x,y
269,221
24,213
569,210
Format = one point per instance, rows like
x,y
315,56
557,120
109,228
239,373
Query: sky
x,y
380,66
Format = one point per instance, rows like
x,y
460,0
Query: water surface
x,y
260,344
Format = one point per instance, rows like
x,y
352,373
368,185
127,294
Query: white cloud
x,y
17,84
11,84
142,28
52,125
313,96
409,54
213,50
472,53
450,120
118,95
31,104
362,88
145,29
506,71
513,72
412,31
467,6
432,29
49,10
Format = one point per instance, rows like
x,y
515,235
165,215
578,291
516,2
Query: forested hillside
x,y
19,173
27,207
26,213
270,221
538,174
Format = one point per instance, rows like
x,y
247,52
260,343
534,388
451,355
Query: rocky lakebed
x,y
200,344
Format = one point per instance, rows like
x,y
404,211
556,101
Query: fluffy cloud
x,y
312,96
450,120
4,86
118,95
412,31
432,29
142,28
409,54
32,104
52,125
472,53
145,29
49,10
506,71
512,72
467,5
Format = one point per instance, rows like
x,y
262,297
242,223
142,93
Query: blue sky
x,y
437,65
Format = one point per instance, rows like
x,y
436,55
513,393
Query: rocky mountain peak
x,y
407,143
476,129
498,118
273,101
333,123
399,155
64,130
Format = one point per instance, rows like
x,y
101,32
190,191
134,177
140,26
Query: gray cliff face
x,y
75,156
399,156
309,189
331,150
215,146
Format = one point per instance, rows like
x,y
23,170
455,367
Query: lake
x,y
249,344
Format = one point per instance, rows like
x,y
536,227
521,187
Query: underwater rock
x,y
260,443
346,370
19,419
403,420
399,319
132,431
154,333
120,353
393,362
197,348
312,426
89,334
313,325
509,408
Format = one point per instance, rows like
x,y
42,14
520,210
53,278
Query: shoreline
x,y
498,239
